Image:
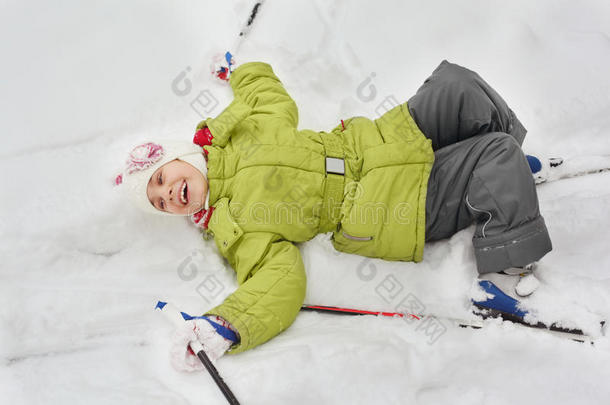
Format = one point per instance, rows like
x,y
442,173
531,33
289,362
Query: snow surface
x,y
81,270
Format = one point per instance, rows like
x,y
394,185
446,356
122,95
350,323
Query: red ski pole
x,y
351,311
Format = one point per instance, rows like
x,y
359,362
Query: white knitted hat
x,y
146,158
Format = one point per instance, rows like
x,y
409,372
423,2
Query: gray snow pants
x,y
480,173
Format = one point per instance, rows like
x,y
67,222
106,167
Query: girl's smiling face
x,y
178,188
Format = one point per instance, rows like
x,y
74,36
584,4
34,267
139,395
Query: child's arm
x,y
257,85
272,282
257,90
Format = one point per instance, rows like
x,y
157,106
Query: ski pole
x,y
175,316
247,26
352,311
221,72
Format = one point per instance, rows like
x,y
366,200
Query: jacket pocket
x,y
223,227
360,243
358,238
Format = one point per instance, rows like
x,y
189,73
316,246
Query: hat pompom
x,y
143,156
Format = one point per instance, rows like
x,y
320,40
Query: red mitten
x,y
203,137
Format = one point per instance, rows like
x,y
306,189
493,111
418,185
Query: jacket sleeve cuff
x,y
223,124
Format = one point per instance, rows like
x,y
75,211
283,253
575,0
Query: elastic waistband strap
x,y
335,180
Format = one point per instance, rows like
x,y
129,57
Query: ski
x,y
576,166
575,334
500,306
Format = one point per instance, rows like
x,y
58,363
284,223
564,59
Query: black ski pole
x,y
226,391
247,26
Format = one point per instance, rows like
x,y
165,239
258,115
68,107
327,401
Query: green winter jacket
x,y
271,185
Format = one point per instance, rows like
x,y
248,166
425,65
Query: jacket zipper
x,y
362,238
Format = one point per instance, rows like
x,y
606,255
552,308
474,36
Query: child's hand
x,y
222,66
214,345
203,137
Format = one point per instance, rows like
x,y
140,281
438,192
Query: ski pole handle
x,y
174,315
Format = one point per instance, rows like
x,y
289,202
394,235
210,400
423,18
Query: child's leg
x,y
487,179
455,103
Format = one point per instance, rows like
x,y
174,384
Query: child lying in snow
x,y
426,169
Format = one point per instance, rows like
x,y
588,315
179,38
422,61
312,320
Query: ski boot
x,y
527,283
546,169
515,281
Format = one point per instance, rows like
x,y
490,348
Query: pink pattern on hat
x,y
143,156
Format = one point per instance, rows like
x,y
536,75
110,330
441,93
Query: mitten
x,y
215,335
223,66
